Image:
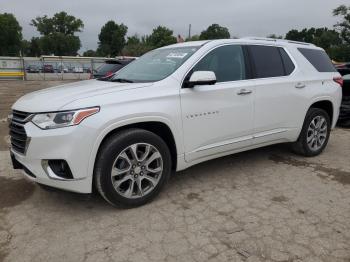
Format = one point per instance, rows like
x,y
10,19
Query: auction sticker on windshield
x,y
177,55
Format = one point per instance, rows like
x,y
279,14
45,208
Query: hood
x,y
54,98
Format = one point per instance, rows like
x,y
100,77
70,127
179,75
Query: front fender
x,y
129,121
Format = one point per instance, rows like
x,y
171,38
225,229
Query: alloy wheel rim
x,y
137,170
317,133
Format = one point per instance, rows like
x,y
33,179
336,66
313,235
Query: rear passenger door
x,y
278,100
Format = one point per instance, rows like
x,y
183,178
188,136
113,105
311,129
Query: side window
x,y
287,62
267,61
227,62
319,59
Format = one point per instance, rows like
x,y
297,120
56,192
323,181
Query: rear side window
x,y
287,62
267,61
319,59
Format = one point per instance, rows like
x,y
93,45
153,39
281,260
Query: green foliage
x,y
60,44
57,34
10,35
274,36
193,38
112,39
32,47
136,46
340,53
215,31
344,25
322,37
90,53
59,23
161,36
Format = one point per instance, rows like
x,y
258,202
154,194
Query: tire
x,y
304,145
136,181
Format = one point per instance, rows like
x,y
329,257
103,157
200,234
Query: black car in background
x,y
33,69
344,117
110,67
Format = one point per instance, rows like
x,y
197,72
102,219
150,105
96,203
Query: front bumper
x,y
72,144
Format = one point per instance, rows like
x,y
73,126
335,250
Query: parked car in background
x,y
78,69
110,67
342,66
62,69
33,69
344,117
87,69
48,69
173,108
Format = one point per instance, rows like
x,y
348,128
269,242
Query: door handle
x,y
243,92
300,85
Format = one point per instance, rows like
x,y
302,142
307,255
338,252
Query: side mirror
x,y
202,78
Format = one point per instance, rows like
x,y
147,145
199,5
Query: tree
x,y
32,47
112,39
90,53
193,38
136,46
10,35
57,34
215,31
344,25
274,36
322,37
161,36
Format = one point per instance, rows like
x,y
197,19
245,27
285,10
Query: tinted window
x,y
267,61
227,62
104,69
287,62
319,59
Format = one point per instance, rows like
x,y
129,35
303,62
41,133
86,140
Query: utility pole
x,y
189,31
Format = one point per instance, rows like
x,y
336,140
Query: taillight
x,y
339,80
108,74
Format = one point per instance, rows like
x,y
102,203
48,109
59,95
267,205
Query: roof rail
x,y
278,40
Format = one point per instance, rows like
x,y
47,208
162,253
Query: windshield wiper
x,y
122,80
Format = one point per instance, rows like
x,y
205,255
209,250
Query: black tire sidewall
x,y
112,148
312,113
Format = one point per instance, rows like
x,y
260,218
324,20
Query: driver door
x,y
218,119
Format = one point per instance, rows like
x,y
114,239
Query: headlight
x,y
64,118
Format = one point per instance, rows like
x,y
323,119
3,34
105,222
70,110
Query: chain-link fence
x,y
49,67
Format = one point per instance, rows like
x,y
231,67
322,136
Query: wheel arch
x,y
327,105
160,127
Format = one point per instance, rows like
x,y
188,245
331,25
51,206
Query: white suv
x,y
173,108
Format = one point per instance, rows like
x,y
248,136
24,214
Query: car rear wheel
x,y
315,133
131,168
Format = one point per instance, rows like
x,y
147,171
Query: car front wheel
x,y
132,167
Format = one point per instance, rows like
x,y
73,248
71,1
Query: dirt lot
x,y
261,205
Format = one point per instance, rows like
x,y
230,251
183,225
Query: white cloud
x,y
242,17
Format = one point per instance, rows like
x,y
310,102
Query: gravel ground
x,y
261,205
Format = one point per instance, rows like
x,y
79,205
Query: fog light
x,y
57,169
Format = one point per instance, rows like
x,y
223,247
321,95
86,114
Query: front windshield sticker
x,y
177,55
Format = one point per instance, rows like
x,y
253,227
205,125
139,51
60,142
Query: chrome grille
x,y
19,139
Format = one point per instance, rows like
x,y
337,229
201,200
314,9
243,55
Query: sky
x,y
242,17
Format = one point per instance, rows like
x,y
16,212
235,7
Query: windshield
x,y
155,65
